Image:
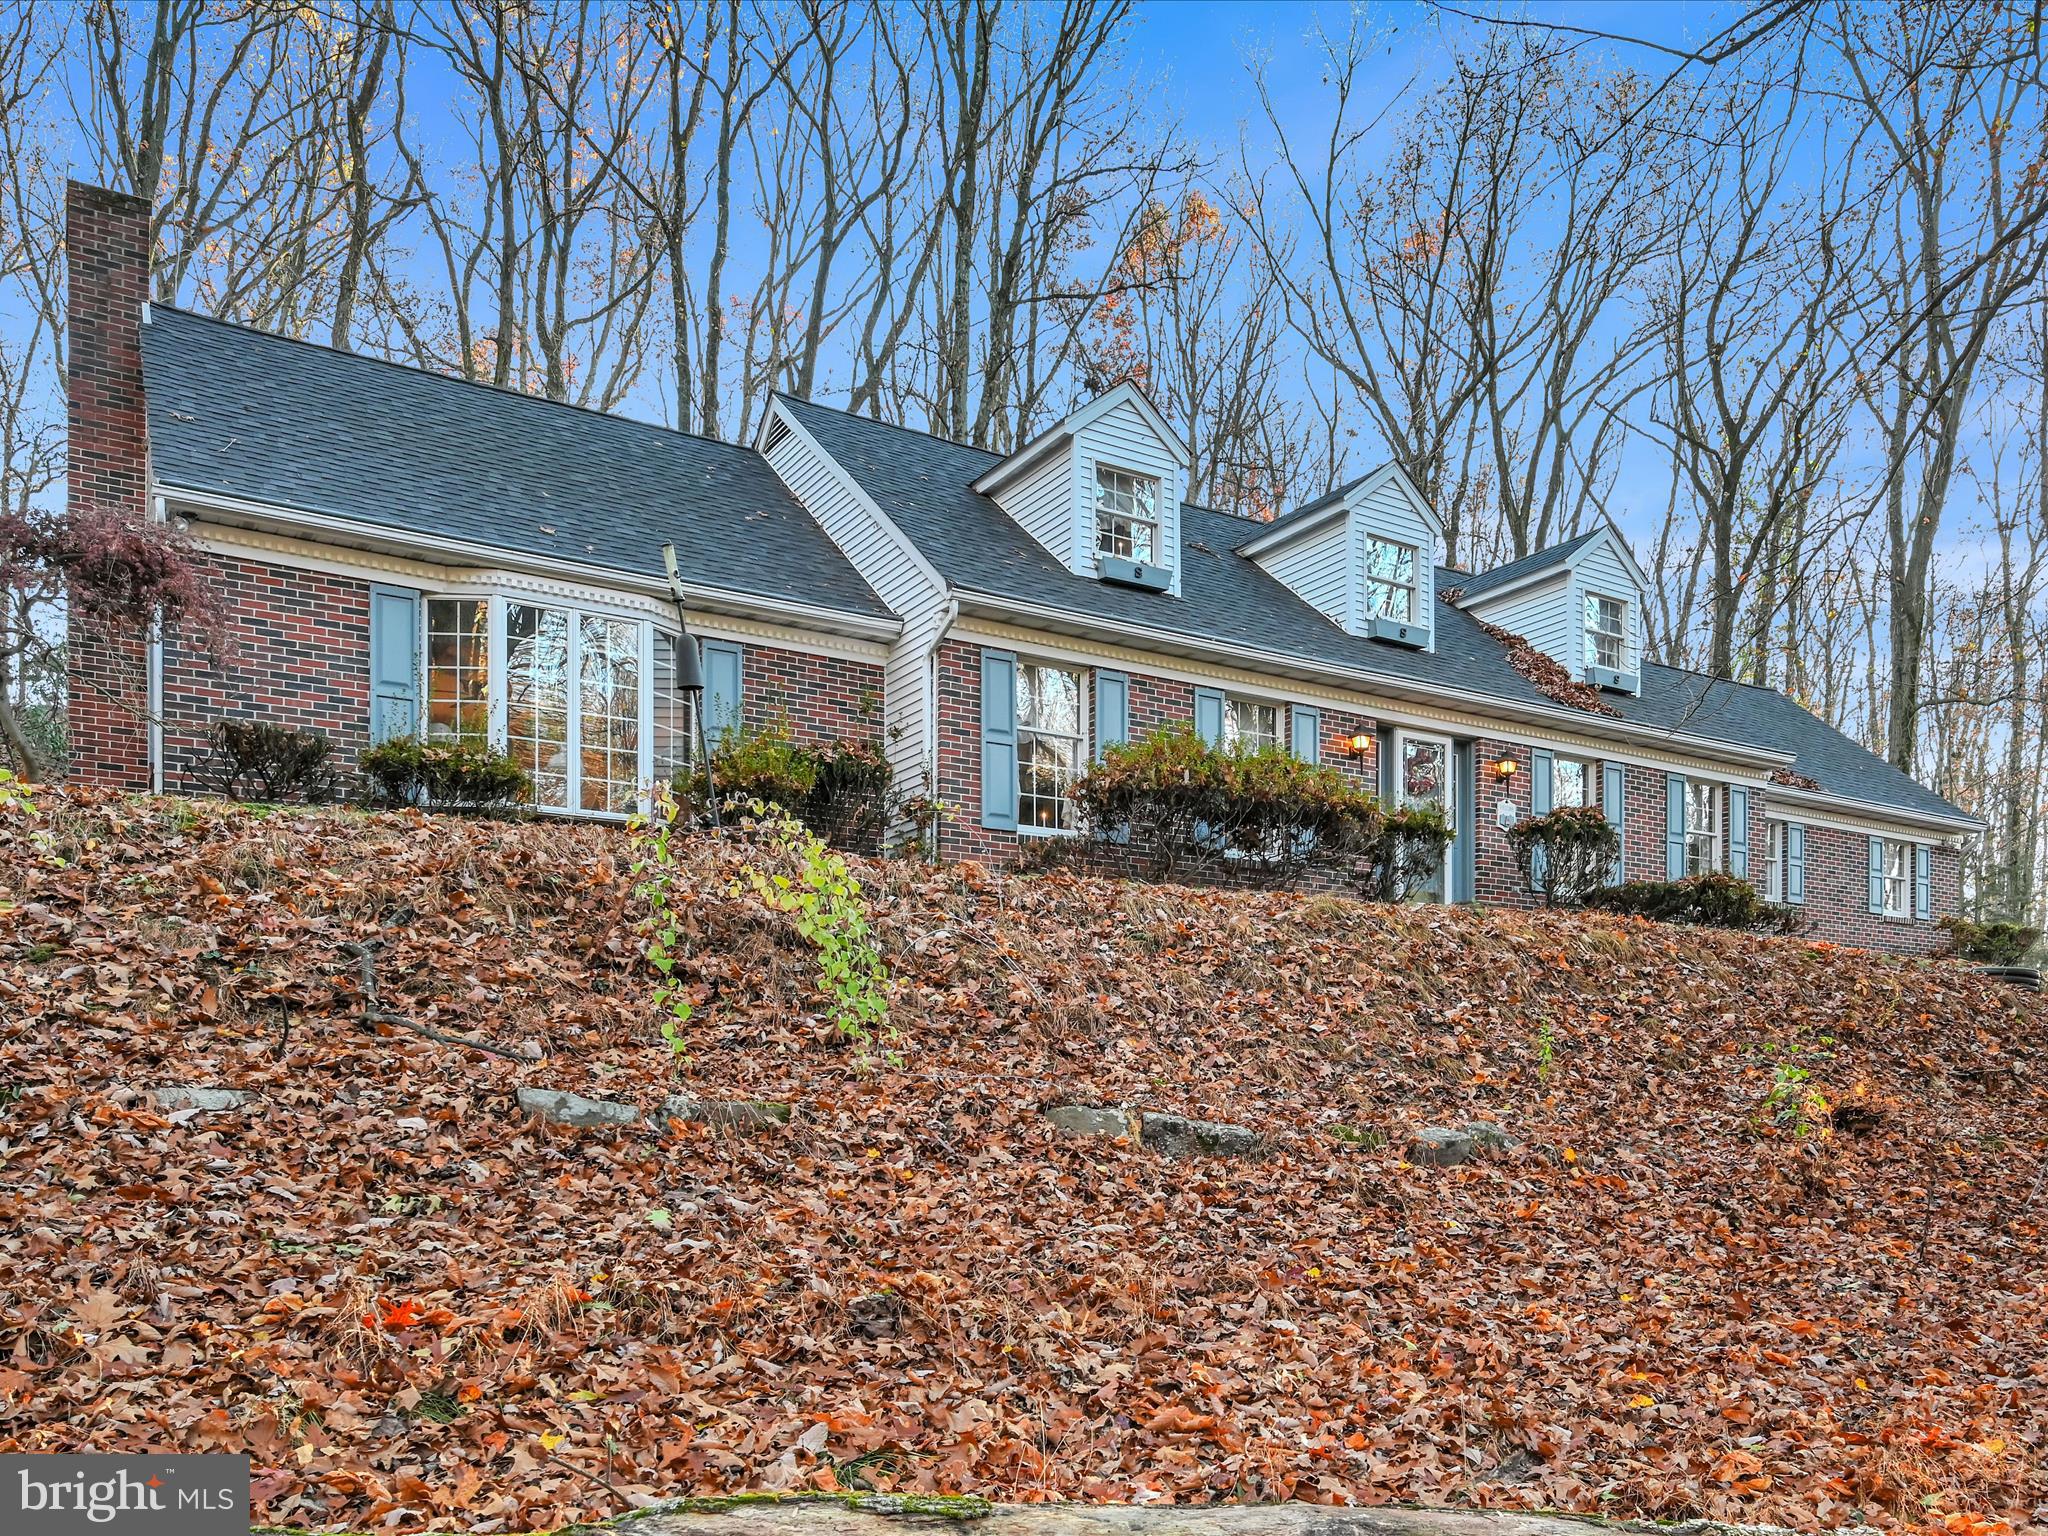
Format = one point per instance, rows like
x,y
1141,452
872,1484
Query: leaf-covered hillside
x,y
414,1306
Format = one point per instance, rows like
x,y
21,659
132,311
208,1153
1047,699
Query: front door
x,y
1423,775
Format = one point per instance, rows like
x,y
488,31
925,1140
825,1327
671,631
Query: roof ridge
x,y
877,421
418,371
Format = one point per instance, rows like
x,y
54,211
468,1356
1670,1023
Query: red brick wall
x,y
296,653
817,698
1154,701
1838,895
297,649
107,249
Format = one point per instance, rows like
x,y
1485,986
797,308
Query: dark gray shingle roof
x,y
1514,570
922,483
242,413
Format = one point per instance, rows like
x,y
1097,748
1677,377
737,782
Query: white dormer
x,y
1579,602
1364,554
1102,491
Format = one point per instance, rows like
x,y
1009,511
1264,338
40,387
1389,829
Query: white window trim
x,y
1156,522
1027,829
1903,912
1413,586
1715,861
1232,700
1589,781
1588,633
1777,842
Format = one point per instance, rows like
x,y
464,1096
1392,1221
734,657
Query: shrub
x,y
1177,802
1712,901
1566,854
1404,853
457,775
839,790
1991,943
256,760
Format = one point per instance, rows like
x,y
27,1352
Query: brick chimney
x,y
107,250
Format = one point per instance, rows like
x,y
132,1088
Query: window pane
x,y
537,698
458,669
1126,515
1048,745
1249,726
1605,632
608,708
1568,781
1425,773
1390,580
675,722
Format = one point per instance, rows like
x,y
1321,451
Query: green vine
x,y
656,869
824,898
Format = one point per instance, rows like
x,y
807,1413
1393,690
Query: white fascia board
x,y
1783,799
1301,527
1562,571
1064,431
1286,532
1364,680
440,550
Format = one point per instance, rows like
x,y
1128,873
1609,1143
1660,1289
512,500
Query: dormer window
x,y
1126,515
1389,580
1606,632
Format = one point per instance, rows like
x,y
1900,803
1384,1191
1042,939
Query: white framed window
x,y
1390,574
1049,746
1774,861
1572,783
1249,726
1898,879
1126,515
1702,827
458,702
1606,632
563,691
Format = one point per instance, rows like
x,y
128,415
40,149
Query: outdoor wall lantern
x,y
1506,769
1358,745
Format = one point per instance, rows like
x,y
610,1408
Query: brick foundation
x,y
107,250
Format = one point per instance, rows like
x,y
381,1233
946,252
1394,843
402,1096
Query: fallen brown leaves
x,y
411,1307
1551,677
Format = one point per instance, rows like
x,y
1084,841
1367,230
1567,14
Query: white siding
x,y
1387,510
1123,439
1599,569
1540,615
876,551
1314,569
1042,504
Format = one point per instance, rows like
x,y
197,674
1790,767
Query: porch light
x,y
1507,768
1358,745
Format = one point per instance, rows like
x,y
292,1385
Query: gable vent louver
x,y
777,435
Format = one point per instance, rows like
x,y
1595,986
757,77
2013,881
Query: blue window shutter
x,y
1209,716
1795,863
394,662
1306,724
1542,778
1923,881
999,741
721,689
1877,874
1674,826
1614,799
1112,709
1738,833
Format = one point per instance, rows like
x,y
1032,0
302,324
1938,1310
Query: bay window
x,y
584,702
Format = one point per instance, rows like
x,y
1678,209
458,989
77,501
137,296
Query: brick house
x,y
404,552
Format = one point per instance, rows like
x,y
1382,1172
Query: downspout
x,y
947,617
153,655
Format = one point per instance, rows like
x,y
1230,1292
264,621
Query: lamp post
x,y
690,677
